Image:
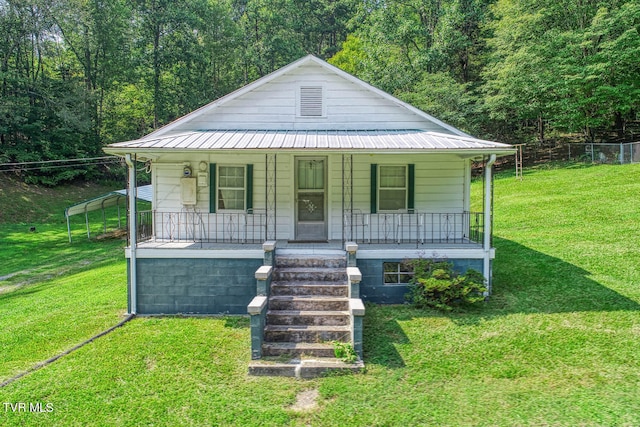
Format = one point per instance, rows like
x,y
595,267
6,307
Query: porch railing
x,y
145,226
360,227
195,226
414,227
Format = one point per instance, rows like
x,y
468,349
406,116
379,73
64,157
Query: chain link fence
x,y
621,153
601,153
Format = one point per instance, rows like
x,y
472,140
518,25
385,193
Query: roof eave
x,y
154,153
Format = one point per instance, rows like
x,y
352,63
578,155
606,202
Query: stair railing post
x,y
269,248
352,249
356,308
257,309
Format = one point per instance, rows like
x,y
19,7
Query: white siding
x,y
439,185
274,105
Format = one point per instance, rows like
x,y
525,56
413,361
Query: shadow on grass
x,y
528,281
20,291
381,334
27,283
525,281
236,322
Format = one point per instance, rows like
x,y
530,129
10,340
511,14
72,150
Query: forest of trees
x,y
78,74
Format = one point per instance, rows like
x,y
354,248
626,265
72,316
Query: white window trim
x,y
219,187
399,272
406,189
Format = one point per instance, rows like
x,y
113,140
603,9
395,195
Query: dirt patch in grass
x,y
10,275
306,401
16,280
120,233
12,286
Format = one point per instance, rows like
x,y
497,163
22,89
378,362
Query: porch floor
x,y
307,246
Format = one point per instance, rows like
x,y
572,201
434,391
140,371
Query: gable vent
x,y
311,101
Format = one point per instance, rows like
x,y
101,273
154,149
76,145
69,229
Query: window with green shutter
x,y
231,188
392,188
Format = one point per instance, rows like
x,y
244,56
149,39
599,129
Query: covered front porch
x,y
414,229
199,258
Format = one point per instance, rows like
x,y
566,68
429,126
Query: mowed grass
x,y
558,344
54,294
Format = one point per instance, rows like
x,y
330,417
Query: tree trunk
x,y
619,125
541,129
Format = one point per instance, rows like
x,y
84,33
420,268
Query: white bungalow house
x,y
307,159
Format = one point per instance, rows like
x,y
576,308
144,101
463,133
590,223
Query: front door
x,y
311,198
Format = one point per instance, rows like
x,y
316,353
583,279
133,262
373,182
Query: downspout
x,y
487,222
133,235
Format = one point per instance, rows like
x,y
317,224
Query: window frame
x,y
402,269
405,188
219,187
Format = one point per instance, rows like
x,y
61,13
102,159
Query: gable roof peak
x,y
310,58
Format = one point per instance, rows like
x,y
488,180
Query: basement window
x,y
311,101
397,273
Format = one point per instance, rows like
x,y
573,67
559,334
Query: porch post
x,y
270,196
133,236
487,222
347,197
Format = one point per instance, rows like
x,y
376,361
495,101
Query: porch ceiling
x,y
338,140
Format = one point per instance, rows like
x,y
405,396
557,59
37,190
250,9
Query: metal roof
x,y
338,140
106,200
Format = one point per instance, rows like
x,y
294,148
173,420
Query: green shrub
x,y
436,284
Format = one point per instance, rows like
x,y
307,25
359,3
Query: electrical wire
x,y
107,161
81,159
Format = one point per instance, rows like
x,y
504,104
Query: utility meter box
x,y
189,192
203,179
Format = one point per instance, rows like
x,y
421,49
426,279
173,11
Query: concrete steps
x,y
309,274
306,333
323,261
300,317
303,368
298,350
309,288
308,309
308,303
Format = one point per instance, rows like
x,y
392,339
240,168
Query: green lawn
x,y
557,345
53,294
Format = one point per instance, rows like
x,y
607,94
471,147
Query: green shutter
x,y
212,188
249,186
411,197
374,188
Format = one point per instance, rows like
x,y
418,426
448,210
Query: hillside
x,y
21,203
